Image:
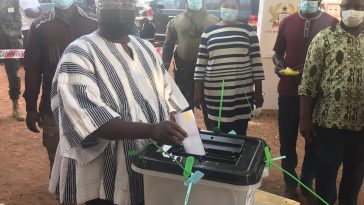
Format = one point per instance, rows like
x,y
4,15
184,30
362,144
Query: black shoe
x,y
291,194
306,193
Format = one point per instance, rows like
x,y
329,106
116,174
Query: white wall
x,y
270,85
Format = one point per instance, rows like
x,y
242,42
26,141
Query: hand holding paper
x,y
193,143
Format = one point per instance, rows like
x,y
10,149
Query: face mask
x,y
229,14
309,7
63,4
194,5
116,23
352,18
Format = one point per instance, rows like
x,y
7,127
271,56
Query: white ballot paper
x,y
193,143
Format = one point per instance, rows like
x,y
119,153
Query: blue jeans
x,y
288,122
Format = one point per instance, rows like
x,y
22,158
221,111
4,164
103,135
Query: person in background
x,y
229,51
30,10
294,37
11,38
110,93
88,6
334,75
186,30
48,37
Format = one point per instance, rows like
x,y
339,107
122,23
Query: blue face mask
x,y
309,7
63,4
229,14
194,5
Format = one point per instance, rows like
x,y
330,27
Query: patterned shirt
x,y
230,53
95,82
334,72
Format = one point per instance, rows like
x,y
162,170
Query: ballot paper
x,y
193,143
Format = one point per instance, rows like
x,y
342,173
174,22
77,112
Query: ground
x,y
24,168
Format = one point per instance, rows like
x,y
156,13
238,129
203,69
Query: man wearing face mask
x,y
334,74
48,37
109,94
294,37
185,30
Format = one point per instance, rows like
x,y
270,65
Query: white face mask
x,y
352,18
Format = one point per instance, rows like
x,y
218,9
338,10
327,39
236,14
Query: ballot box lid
x,y
232,159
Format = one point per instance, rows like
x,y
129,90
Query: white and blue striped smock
x,y
96,81
230,53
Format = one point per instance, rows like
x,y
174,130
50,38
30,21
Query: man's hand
x,y
279,66
258,99
307,129
32,119
172,116
168,133
197,99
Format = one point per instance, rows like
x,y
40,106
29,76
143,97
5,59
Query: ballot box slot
x,y
222,139
213,153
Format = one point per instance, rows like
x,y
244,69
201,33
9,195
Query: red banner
x,y
12,54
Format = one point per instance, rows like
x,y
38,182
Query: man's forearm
x,y
305,107
32,90
198,86
258,86
117,129
167,53
277,58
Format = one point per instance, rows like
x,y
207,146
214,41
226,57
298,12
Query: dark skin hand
x,y
258,98
306,126
278,62
166,132
32,119
197,98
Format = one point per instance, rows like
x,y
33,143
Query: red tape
x,y
12,53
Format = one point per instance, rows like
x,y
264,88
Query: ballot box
x,y
233,167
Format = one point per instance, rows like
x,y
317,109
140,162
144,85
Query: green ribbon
x,y
270,162
188,167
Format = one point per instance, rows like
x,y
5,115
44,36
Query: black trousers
x,y
336,147
12,68
183,76
288,122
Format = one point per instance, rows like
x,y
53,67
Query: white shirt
x,y
24,5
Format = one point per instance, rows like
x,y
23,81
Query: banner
x,y
271,14
332,7
12,53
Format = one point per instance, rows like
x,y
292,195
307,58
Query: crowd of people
x,y
105,91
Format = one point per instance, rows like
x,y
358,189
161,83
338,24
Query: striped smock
x,y
230,53
96,81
